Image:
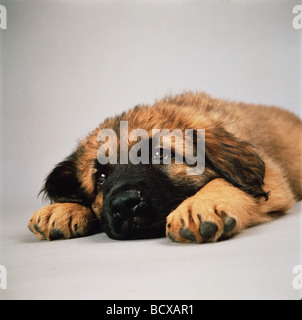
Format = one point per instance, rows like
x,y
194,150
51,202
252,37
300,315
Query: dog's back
x,y
275,132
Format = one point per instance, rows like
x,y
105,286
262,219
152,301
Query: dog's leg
x,y
219,210
62,221
281,197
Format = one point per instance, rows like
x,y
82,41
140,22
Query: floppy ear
x,y
236,161
62,183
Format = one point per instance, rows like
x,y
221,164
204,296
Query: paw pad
x,y
187,234
37,229
56,234
199,230
63,221
208,230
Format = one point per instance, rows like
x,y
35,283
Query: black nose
x,y
125,203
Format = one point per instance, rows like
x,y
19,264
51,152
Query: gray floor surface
x,y
256,264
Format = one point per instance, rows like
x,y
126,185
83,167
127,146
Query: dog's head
x,y
134,192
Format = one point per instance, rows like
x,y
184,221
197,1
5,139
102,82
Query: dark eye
x,y
102,179
161,156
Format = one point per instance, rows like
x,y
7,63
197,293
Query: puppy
x,y
135,187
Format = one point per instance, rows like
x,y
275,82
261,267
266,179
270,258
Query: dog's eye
x,y
161,155
102,179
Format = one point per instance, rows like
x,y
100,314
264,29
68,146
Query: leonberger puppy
x,y
251,174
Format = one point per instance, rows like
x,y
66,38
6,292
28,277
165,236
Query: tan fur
x,y
213,203
275,132
70,219
271,133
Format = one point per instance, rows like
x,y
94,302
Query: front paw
x,y
200,221
61,221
